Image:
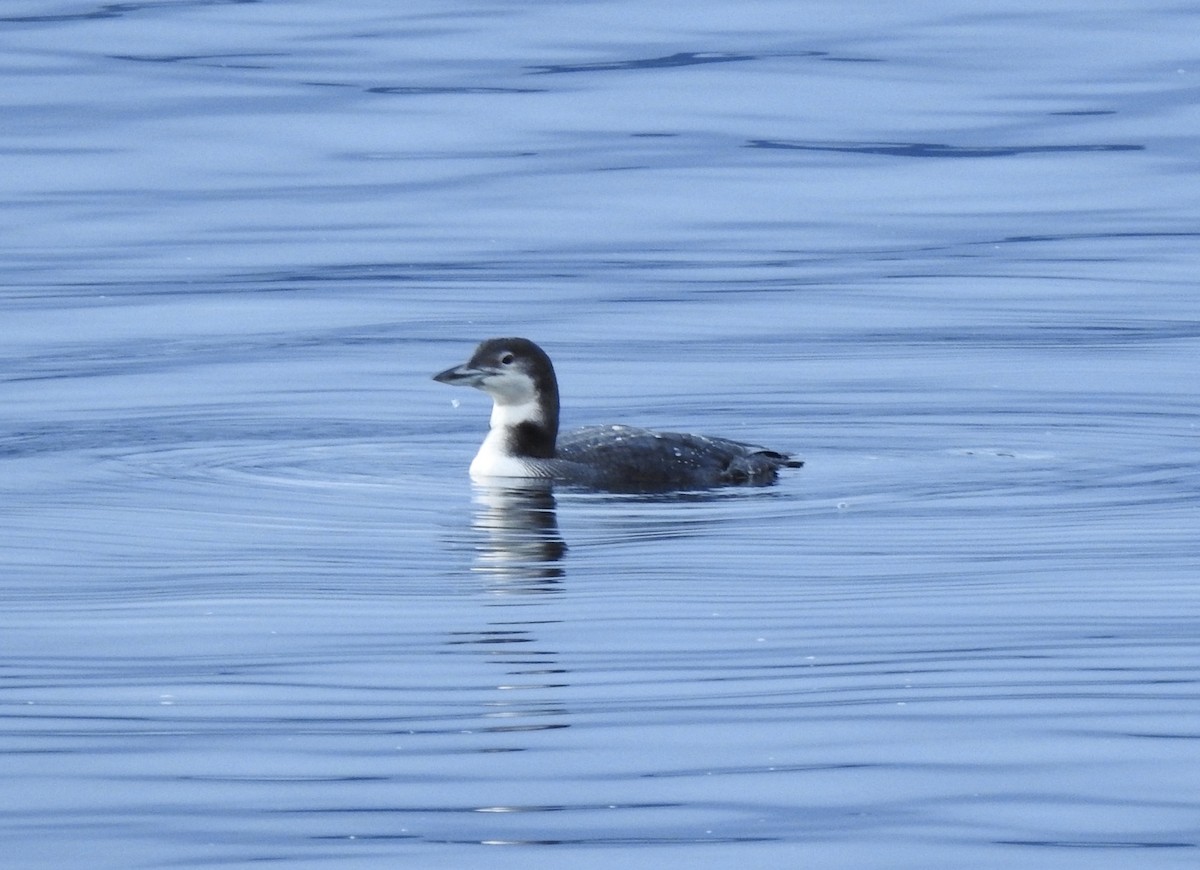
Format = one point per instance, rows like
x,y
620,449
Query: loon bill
x,y
523,440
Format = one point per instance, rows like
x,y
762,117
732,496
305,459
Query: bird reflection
x,y
519,546
519,550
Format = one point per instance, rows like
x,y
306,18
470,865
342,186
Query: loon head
x,y
519,377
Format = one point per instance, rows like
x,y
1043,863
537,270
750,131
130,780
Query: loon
x,y
523,441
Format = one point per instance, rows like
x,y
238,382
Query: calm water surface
x,y
252,609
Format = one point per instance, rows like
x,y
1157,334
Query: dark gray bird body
x,y
523,440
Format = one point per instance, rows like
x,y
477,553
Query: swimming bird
x,y
523,440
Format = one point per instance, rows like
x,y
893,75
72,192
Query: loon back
x,y
523,439
630,456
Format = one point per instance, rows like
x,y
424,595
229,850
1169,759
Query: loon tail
x,y
758,467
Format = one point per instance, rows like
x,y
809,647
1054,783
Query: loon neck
x,y
526,429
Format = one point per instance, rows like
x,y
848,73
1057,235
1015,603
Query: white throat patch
x,y
515,415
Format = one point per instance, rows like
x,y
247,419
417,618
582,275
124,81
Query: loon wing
x,y
643,456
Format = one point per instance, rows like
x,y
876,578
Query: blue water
x,y
253,610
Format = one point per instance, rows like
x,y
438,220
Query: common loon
x,y
524,442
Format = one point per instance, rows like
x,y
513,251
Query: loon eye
x,y
507,359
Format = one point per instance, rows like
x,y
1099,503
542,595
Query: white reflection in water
x,y
521,547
